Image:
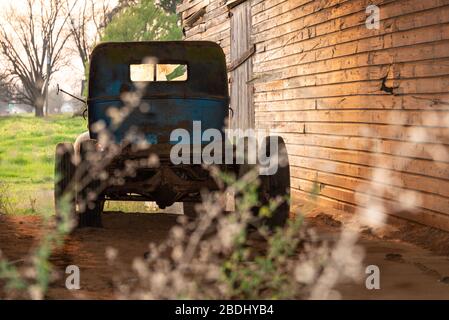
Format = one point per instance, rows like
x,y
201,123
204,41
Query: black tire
x,y
272,187
90,201
277,186
64,191
189,209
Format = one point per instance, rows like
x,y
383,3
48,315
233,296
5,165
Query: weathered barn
x,y
364,110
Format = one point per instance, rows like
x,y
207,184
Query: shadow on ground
x,y
408,271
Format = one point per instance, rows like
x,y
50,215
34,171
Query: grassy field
x,y
27,147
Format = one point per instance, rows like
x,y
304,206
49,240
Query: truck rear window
x,y
149,72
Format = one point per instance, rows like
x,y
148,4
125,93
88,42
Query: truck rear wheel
x,y
272,186
277,186
90,201
64,191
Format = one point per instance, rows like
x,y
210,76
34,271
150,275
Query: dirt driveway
x,y
408,271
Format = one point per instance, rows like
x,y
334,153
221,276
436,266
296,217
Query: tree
x,y
88,19
5,90
168,5
55,101
32,45
143,21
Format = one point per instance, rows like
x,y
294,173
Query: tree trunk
x,y
39,105
39,111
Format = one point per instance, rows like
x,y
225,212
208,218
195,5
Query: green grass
x,y
27,147
27,151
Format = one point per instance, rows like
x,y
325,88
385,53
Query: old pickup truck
x,y
139,94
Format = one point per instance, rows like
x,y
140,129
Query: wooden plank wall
x,y
365,113
214,25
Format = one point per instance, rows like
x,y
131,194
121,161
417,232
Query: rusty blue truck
x,y
139,93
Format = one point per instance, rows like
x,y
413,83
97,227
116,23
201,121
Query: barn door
x,y
241,66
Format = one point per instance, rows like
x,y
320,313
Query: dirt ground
x,y
413,260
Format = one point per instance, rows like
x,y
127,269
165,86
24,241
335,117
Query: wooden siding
x,y
365,113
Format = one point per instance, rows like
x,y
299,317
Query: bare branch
x,y
87,21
